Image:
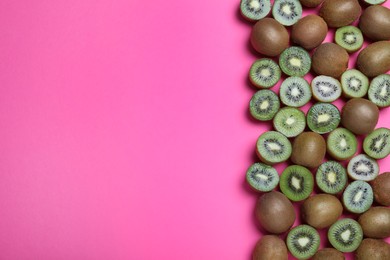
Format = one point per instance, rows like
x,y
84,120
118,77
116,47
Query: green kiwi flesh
x,y
362,167
379,91
374,2
290,121
331,177
262,177
323,118
295,61
264,73
377,144
358,197
341,144
287,12
354,84
296,182
295,92
350,38
303,241
273,147
264,105
345,235
254,10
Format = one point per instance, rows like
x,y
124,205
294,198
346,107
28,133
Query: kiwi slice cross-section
x,y
295,61
325,88
358,197
323,118
273,147
264,73
362,167
350,38
374,2
303,241
377,144
379,91
345,235
254,10
341,144
262,177
264,105
331,177
296,182
287,12
295,92
290,121
354,84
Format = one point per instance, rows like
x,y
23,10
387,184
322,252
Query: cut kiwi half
x,y
287,12
377,144
379,91
354,84
303,241
345,235
296,182
374,2
323,118
264,105
341,144
273,147
262,177
325,88
254,10
295,61
358,197
295,92
264,73
362,167
350,38
331,177
290,121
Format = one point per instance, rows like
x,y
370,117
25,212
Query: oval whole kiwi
x,y
374,59
311,3
381,187
270,247
330,59
328,253
308,150
375,222
309,32
375,23
373,249
269,37
338,13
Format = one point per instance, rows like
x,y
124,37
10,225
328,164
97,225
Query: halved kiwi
x,y
254,10
262,177
345,235
295,61
374,2
296,182
358,197
264,73
303,241
273,147
350,38
379,91
323,118
362,167
295,92
377,144
341,144
264,105
331,177
290,121
325,88
287,12
354,84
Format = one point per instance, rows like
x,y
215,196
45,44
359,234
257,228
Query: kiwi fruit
x,y
262,177
295,61
264,105
374,60
296,182
376,222
254,10
374,2
359,116
379,91
328,254
377,144
338,13
350,38
275,212
287,12
295,92
375,22
341,144
270,247
311,3
269,37
264,73
362,167
309,32
323,118
358,197
321,210
330,59
325,88
373,249
345,235
354,84
309,150
303,241
331,177
273,147
290,121
381,187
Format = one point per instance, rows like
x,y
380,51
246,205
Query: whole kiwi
x,y
321,211
338,13
275,212
381,187
269,37
270,247
330,59
309,32
375,222
373,249
375,23
311,3
359,116
308,150
374,59
327,254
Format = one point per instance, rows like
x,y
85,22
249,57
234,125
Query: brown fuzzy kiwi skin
x,y
311,3
374,59
359,116
375,23
269,37
375,222
338,13
270,247
381,187
373,249
308,150
330,59
309,32
328,254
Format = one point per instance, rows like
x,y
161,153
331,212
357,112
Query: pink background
x,y
124,131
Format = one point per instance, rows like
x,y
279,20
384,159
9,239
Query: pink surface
x,y
124,130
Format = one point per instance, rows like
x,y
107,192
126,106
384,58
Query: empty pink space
x,y
124,131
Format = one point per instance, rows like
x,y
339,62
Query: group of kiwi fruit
x,y
348,181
